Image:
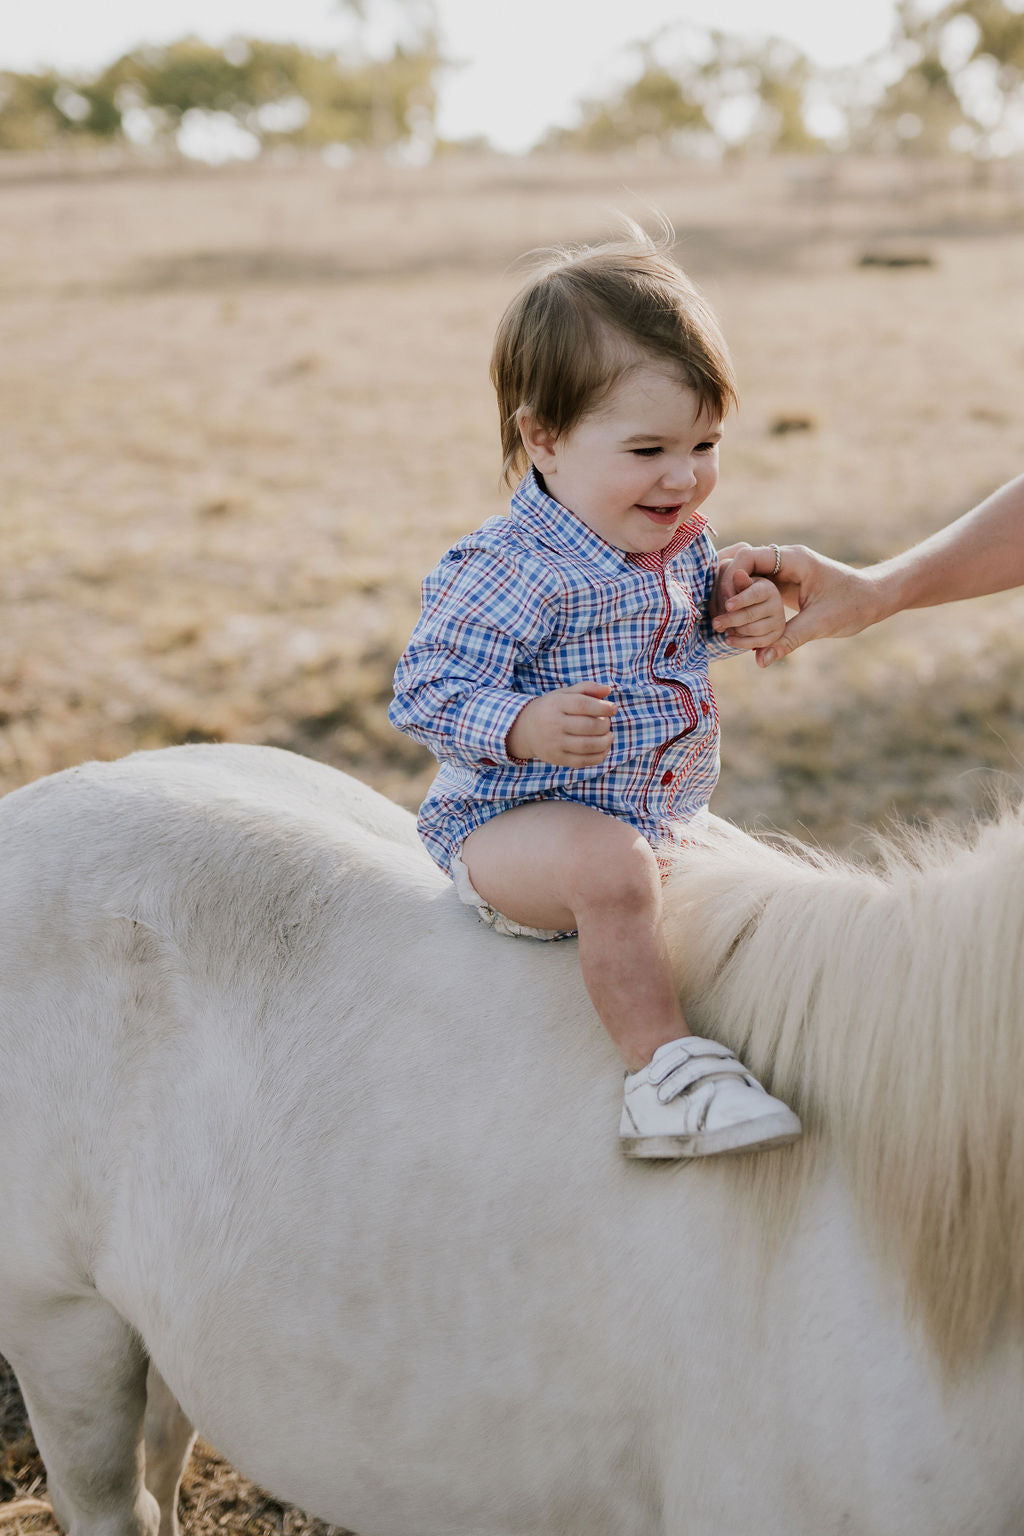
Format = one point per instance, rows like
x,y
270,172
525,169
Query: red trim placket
x,y
655,561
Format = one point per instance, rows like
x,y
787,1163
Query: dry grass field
x,y
244,410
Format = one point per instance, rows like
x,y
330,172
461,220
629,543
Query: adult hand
x,y
569,727
832,599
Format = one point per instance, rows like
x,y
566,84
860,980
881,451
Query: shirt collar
x,y
554,525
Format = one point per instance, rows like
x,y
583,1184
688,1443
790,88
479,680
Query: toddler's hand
x,y
754,616
571,727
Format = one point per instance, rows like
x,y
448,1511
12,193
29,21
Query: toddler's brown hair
x,y
587,316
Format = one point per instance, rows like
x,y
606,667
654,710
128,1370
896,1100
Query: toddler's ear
x,y
539,441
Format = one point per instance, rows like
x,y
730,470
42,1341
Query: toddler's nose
x,y
679,476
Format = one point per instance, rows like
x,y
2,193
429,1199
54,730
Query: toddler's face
x,y
637,466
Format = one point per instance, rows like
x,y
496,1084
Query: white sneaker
x,y
694,1099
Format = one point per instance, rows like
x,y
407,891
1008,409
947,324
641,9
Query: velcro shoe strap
x,y
695,1070
691,1047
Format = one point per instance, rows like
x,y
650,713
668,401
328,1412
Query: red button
x,y
671,648
666,777
705,709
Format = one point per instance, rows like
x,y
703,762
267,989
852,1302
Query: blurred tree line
x,y
275,92
267,93
951,79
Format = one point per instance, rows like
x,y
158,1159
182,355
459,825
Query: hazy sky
x,y
522,64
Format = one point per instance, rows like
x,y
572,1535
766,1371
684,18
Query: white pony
x,y
277,1122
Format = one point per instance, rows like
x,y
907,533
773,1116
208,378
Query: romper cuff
x,y
483,726
716,645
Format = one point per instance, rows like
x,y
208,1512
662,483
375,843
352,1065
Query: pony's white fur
x,y
282,1125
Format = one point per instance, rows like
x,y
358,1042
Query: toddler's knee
x,y
615,869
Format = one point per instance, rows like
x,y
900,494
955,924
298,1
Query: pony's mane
x,y
886,1006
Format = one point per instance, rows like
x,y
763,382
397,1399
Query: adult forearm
x,y
983,551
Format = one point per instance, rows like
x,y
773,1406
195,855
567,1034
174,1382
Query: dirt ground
x,y
244,410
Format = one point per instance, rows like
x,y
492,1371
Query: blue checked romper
x,y
538,601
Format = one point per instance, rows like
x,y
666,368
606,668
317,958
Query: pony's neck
x,y
886,1008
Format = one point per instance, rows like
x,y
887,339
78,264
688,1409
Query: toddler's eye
x,y
706,447
646,453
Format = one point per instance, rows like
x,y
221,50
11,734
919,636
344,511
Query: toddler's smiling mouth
x,y
660,514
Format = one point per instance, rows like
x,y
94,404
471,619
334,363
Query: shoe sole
x,y
754,1136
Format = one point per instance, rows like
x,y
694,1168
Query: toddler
x,y
559,669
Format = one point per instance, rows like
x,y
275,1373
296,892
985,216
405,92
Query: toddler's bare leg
x,y
558,864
